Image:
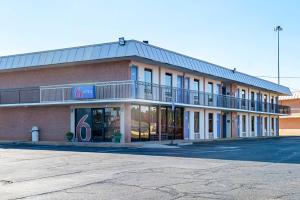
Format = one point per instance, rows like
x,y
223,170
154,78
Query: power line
x,y
277,77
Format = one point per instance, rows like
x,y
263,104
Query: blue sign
x,y
84,92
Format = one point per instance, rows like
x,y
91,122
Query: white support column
x,y
122,123
201,125
215,125
255,126
191,133
72,120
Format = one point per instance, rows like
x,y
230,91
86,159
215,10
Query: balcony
x,y
121,90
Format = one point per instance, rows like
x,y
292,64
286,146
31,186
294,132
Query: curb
x,y
135,144
73,144
228,140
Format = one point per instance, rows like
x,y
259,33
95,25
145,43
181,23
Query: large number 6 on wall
x,y
82,124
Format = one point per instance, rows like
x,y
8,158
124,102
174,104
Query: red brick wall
x,y
289,123
97,72
53,122
293,103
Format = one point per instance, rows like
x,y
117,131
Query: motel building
x,y
141,91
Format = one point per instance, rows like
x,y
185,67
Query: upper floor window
x,y
134,73
196,84
272,102
148,76
210,87
169,85
180,82
210,90
180,88
252,100
196,88
243,98
243,94
148,81
265,102
168,80
187,83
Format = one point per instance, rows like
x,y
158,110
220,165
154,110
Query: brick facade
x,y
83,73
16,123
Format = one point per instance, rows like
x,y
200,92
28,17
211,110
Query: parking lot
x,y
251,169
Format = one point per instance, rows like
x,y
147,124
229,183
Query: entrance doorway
x,y
224,126
97,124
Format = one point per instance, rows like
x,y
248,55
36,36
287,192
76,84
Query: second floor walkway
x,y
121,90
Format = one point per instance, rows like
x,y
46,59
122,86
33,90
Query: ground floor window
x,y
97,124
252,123
144,123
244,123
210,122
272,124
196,122
171,128
266,123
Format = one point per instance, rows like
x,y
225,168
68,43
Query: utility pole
x,y
278,29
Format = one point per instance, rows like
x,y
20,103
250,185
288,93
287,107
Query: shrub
x,y
117,137
69,136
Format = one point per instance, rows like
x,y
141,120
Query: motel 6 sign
x,y
84,92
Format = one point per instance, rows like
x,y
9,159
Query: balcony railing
x,y
18,96
136,90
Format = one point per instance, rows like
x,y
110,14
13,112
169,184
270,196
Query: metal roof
x,y
133,48
295,95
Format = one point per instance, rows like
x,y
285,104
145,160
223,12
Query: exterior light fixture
x,y
121,41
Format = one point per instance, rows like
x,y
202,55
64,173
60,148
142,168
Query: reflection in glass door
x,y
99,125
106,123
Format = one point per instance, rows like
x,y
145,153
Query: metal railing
x,y
19,96
137,90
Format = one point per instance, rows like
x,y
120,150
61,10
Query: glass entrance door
x,y
99,125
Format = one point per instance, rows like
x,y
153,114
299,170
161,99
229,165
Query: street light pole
x,y
278,29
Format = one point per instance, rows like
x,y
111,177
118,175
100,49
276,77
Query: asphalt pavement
x,y
254,169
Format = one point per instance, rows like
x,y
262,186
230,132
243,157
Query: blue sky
x,y
231,33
